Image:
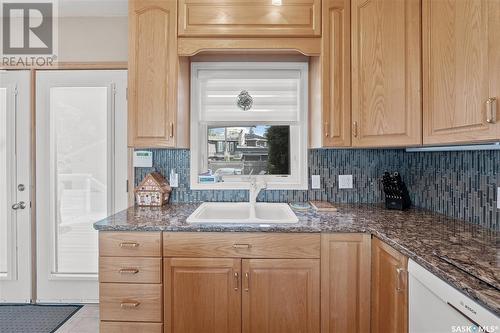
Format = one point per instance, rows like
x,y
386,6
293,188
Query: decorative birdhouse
x,y
154,190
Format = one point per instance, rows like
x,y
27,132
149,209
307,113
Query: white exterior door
x,y
15,187
81,176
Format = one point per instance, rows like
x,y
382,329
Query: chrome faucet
x,y
255,188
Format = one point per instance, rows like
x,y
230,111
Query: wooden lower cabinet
x,y
338,283
202,295
212,295
389,303
345,283
281,295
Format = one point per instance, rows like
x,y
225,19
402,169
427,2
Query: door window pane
x,y
80,141
4,198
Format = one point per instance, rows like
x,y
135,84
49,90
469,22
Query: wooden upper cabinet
x,y
257,18
345,283
152,86
336,74
281,295
389,311
461,48
386,73
202,295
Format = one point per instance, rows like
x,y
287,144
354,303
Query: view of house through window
x,y
256,150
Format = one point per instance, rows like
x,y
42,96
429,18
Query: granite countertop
x,y
447,247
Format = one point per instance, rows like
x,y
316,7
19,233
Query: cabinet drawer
x,y
257,18
130,270
241,245
131,302
130,244
128,327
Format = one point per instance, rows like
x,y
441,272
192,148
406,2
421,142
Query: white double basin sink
x,y
243,213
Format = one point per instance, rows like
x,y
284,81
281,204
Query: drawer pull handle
x,y
129,271
129,244
129,305
241,246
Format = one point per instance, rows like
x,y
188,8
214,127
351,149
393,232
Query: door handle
x,y
247,281
236,281
399,275
19,205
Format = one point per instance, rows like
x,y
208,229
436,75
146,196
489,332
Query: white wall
x,y
87,39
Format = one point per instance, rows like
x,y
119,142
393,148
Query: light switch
x,y
315,182
345,181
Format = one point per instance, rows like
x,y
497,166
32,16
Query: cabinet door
x,y
386,66
209,18
152,73
336,73
389,289
461,70
345,283
281,295
202,295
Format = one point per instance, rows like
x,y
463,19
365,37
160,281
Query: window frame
x,y
298,178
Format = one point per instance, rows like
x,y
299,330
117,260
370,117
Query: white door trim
x,y
16,285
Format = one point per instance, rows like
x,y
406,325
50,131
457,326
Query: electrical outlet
x,y
315,182
345,181
498,197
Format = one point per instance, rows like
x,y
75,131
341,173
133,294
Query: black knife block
x,y
396,193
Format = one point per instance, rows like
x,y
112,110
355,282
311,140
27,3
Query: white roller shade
x,y
275,93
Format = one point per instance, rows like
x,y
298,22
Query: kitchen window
x,y
249,120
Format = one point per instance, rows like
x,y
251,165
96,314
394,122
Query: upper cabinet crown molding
x,y
249,18
191,46
386,73
461,48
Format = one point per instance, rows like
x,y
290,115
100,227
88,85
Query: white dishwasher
x,y
436,307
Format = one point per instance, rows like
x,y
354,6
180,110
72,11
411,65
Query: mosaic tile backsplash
x,y
458,184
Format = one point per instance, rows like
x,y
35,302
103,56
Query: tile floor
x,y
86,320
